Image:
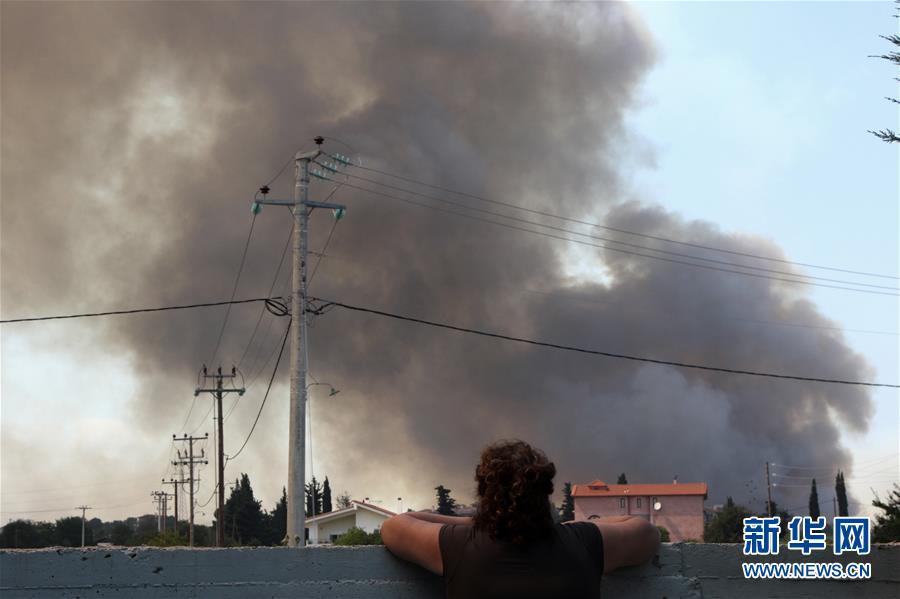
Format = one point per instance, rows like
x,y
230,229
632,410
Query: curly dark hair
x,y
515,481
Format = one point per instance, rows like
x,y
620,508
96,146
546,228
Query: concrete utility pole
x,y
174,484
301,207
219,392
769,490
189,459
159,498
83,509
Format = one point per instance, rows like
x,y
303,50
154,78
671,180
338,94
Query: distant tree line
x,y
245,521
727,525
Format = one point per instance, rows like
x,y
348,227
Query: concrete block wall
x,y
692,571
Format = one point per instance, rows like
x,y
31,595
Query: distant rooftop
x,y
598,488
354,506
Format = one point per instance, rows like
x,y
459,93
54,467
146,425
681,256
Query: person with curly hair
x,y
512,547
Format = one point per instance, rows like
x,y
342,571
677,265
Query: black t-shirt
x,y
567,563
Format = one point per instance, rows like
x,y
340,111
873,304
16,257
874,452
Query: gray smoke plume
x,y
135,134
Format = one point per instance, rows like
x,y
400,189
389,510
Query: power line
x,y
237,280
266,396
134,310
607,240
328,303
612,304
205,503
262,310
322,253
466,330
69,509
608,228
624,251
867,463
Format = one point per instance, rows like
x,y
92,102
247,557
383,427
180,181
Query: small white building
x,y
325,528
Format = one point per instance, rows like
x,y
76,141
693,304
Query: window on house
x,y
639,502
622,503
653,502
333,538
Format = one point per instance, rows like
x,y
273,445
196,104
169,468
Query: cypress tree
x,y
326,496
567,511
814,501
622,480
446,505
840,491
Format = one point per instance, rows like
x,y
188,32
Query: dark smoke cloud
x,y
134,135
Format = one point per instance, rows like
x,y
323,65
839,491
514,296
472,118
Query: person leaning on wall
x,y
511,547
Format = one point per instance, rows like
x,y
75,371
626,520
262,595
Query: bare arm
x,y
439,518
415,539
627,541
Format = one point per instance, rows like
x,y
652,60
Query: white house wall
x,y
338,526
369,521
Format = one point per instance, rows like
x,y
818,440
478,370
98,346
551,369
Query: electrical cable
x,y
322,253
584,300
861,464
205,503
598,352
608,228
630,252
237,281
262,310
204,420
133,311
607,240
265,397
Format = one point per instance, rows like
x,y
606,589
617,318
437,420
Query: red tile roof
x,y
598,488
375,507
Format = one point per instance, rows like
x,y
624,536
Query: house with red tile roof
x,y
325,528
678,507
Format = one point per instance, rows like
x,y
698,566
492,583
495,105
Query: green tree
x,y
68,532
728,524
243,517
622,480
887,525
326,496
567,510
357,536
892,57
663,534
277,520
313,498
120,533
814,501
446,505
25,534
840,491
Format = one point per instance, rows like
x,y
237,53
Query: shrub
x,y
357,536
663,534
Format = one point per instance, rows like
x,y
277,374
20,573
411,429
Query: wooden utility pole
x,y
769,491
188,458
219,392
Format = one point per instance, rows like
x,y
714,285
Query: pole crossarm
x,y
300,207
189,459
218,392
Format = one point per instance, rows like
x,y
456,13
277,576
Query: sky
x,y
129,165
